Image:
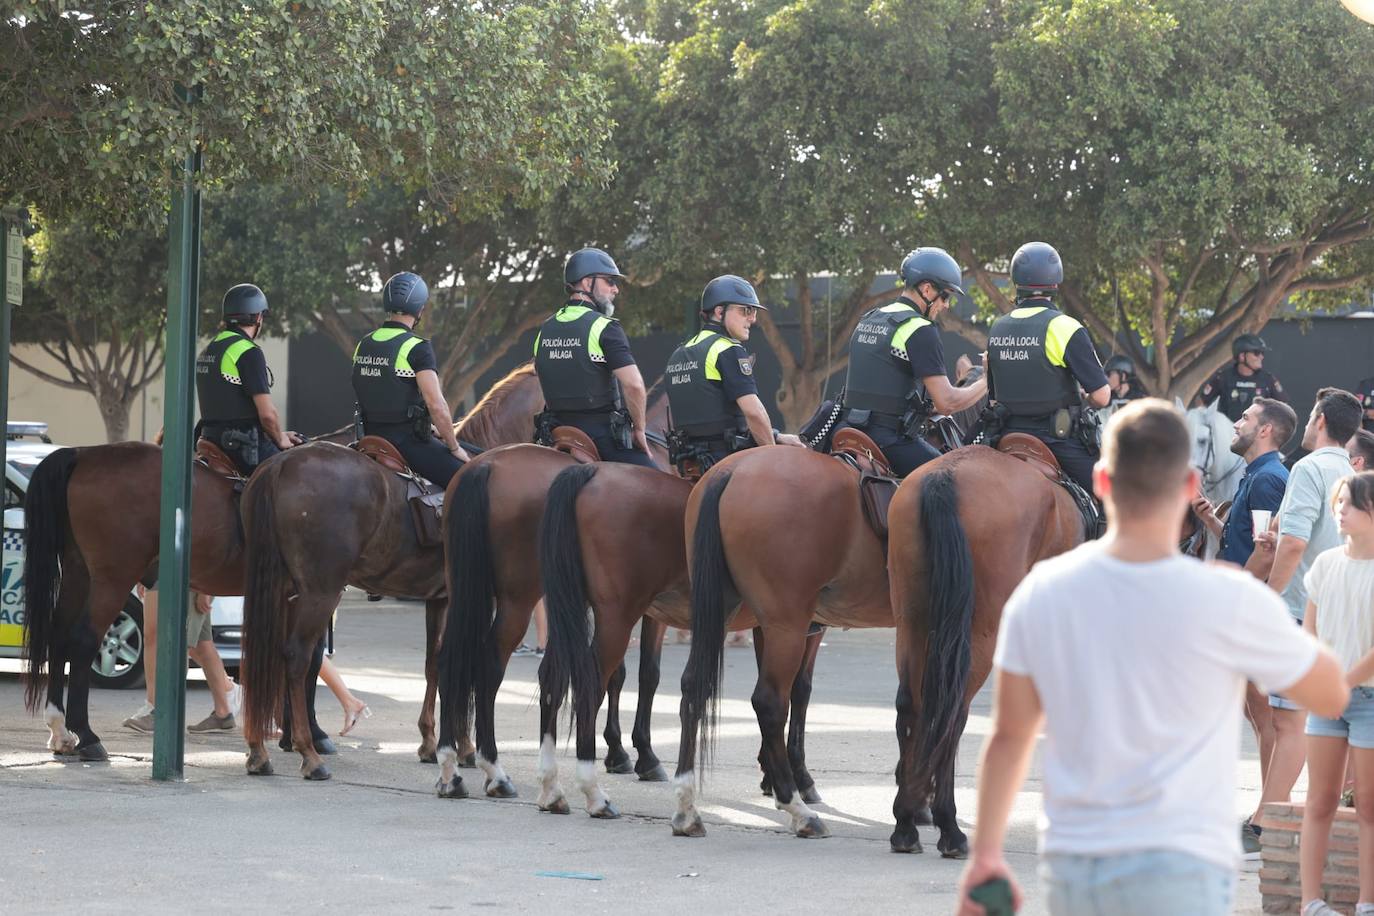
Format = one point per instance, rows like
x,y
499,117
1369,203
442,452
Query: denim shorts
x,y
1137,884
1356,724
1279,701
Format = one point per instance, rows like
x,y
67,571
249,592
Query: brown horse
x,y
965,530
491,527
621,572
320,517
91,533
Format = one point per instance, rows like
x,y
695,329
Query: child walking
x,y
1340,612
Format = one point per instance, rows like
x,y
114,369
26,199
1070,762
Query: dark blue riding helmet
x,y
588,261
1036,267
244,300
405,293
729,290
935,266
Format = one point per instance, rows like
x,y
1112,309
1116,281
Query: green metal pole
x,y
183,292
4,343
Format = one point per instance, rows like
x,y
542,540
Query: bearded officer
x,y
396,381
897,363
712,395
1236,385
233,385
585,368
1038,357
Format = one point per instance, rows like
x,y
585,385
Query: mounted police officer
x,y
1365,392
897,363
396,381
233,385
585,367
1235,386
712,395
1121,377
1038,357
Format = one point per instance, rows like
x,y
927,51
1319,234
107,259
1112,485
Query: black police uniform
x,y
1365,392
706,376
229,372
1134,392
1037,359
891,350
1235,392
384,366
575,355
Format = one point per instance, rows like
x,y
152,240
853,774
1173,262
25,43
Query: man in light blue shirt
x,y
1306,528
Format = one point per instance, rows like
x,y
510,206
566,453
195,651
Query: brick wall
x,y
1278,872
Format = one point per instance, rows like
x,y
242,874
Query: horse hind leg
x,y
617,760
510,627
434,629
61,740
782,657
551,797
84,646
953,843
647,765
796,722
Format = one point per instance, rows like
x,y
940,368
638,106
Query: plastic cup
x,y
1261,518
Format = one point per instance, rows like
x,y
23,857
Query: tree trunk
x,y
799,394
115,412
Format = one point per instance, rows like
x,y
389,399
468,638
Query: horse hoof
x,y
657,774
501,788
319,774
430,756
957,850
452,788
620,765
684,826
557,806
325,747
607,812
92,752
924,818
810,795
813,828
469,762
766,788
262,769
905,842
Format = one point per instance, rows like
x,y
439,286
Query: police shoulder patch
x,y
746,365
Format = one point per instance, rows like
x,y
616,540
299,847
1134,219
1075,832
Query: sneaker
x,y
1319,908
213,723
538,652
141,721
523,651
1249,838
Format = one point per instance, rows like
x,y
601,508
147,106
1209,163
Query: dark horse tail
x,y
714,599
571,659
45,539
266,592
948,655
471,597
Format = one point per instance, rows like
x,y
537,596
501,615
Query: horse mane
x,y
476,423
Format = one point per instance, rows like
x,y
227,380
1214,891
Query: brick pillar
x,y
1278,874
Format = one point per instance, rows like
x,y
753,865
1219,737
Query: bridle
x,y
1210,484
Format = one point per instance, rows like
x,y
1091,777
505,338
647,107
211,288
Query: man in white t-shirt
x,y
1135,658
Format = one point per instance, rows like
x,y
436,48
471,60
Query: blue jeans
x,y
1152,883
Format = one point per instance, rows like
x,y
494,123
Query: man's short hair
x,y
1280,416
1342,412
1362,444
1146,452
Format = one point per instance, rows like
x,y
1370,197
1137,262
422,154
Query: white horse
x,y
1211,433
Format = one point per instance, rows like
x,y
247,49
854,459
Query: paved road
x,y
376,836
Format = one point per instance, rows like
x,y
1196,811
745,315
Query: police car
x,y
119,663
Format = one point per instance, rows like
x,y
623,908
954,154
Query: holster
x,y
544,422
243,443
622,429
358,432
421,426
992,422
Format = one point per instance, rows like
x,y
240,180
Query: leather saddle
x,y
877,485
426,499
213,457
1037,455
572,441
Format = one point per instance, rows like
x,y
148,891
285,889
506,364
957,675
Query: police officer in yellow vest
x,y
712,396
233,385
585,368
1038,358
897,363
396,381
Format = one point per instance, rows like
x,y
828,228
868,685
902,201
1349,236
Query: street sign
x,y
14,263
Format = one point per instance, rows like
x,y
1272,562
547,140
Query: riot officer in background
x,y
1365,392
1038,358
585,368
897,363
1121,377
396,381
1237,385
233,385
712,395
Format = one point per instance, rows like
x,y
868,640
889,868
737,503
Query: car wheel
x,y
118,663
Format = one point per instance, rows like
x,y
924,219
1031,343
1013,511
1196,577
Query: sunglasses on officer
x,y
614,281
749,311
